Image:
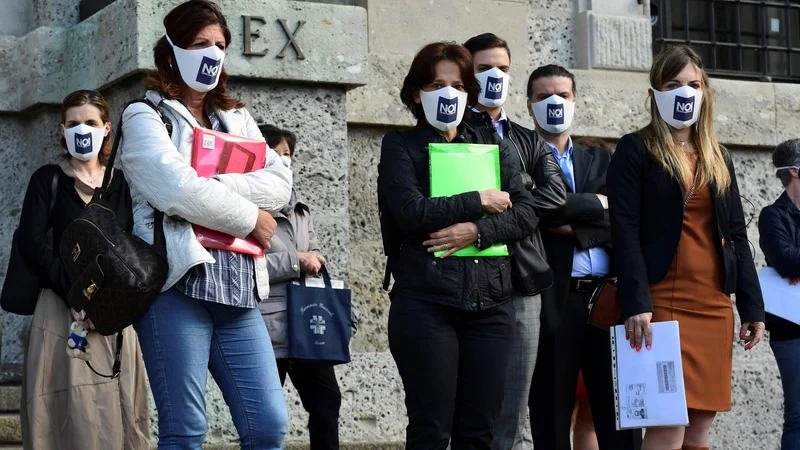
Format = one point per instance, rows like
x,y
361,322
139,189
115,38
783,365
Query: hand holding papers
x,y
648,385
780,297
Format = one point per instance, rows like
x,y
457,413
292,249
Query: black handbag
x,y
115,276
22,285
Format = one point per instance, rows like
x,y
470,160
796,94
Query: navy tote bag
x,y
319,322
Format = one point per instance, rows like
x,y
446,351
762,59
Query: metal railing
x,y
745,39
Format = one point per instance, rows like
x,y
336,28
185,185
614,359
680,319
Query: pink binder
x,y
215,153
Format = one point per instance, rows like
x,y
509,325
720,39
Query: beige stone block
x,y
614,42
745,113
405,26
10,432
378,103
787,99
551,38
118,42
10,397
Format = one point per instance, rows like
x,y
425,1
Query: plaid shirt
x,y
229,281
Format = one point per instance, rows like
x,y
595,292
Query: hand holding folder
x,y
215,153
648,384
459,168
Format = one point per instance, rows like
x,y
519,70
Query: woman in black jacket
x,y
65,404
451,321
779,228
680,241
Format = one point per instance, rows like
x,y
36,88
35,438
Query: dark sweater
x,y
779,228
38,247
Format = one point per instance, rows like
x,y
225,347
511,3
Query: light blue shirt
x,y
500,123
593,262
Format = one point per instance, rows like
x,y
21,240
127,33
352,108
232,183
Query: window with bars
x,y
745,39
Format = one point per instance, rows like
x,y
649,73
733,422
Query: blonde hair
x,y
658,137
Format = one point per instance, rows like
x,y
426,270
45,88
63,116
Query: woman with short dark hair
x,y
779,228
451,321
207,317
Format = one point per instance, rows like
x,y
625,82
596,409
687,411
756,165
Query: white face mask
x,y
494,87
444,108
680,108
84,142
286,161
200,69
554,114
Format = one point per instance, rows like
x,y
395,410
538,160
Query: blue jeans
x,y
182,339
787,353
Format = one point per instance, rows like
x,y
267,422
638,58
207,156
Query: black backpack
x,y
115,276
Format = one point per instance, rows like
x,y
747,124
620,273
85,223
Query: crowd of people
x,y
479,342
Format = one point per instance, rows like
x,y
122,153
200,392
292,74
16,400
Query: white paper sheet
x,y
780,298
648,385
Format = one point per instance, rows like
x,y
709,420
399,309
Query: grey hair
x,y
786,154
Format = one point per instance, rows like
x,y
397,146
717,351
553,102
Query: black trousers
x,y
453,364
575,347
319,392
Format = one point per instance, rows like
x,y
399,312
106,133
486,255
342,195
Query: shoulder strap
x,y
159,241
118,136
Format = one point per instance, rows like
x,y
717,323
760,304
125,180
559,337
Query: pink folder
x,y
215,153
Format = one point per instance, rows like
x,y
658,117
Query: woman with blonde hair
x,y
680,242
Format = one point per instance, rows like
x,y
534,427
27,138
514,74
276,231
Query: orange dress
x,y
691,293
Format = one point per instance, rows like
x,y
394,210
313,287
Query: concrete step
x,y
305,446
10,432
10,398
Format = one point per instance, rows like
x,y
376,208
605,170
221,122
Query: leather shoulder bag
x,y
115,276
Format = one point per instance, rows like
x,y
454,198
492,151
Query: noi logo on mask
x,y
684,108
83,143
209,69
555,114
494,88
446,112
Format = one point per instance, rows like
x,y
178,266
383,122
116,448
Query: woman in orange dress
x,y
680,242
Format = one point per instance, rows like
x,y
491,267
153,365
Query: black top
x,y
38,247
779,228
589,221
646,207
404,187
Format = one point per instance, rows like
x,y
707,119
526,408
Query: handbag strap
x,y
115,369
694,182
326,278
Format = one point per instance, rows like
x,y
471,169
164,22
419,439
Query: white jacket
x,y
160,174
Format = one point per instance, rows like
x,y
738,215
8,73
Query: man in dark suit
x,y
577,242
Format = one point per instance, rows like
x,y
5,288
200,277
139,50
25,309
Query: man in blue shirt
x,y
577,243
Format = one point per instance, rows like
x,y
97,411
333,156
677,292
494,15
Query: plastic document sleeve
x,y
648,385
780,298
460,168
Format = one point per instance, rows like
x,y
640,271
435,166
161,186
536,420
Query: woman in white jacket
x,y
207,316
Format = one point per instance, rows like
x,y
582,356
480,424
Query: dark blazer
x,y
409,212
646,206
779,231
589,220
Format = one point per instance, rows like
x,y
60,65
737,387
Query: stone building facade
x,y
331,71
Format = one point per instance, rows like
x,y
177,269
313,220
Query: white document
x,y
780,298
320,283
648,385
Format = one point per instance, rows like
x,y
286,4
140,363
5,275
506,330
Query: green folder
x,y
459,168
